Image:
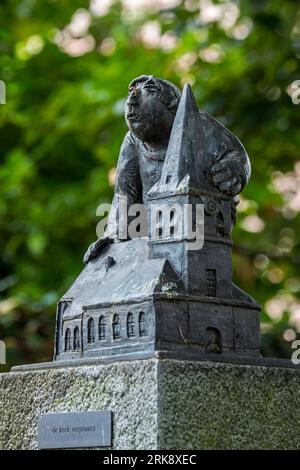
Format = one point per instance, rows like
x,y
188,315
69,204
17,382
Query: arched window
x,y
172,222
142,324
220,217
91,331
220,225
160,224
76,341
102,328
213,341
130,325
68,340
116,327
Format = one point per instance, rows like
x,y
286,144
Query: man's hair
x,y
169,93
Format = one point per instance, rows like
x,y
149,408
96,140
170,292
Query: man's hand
x,y
228,174
95,249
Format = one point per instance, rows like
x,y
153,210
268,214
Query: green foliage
x,y
62,126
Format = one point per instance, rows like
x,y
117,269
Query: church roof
x,y
122,273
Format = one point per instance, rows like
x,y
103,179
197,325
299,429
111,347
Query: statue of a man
x,y
149,112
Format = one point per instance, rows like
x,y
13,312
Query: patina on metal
x,y
155,296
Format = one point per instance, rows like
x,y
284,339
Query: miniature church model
x,y
151,295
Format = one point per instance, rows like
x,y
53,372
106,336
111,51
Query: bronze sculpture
x,y
150,295
149,112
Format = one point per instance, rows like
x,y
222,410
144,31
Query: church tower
x,y
185,184
221,317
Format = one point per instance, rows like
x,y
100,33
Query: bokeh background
x,y
66,65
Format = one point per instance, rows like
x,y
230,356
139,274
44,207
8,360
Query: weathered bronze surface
x,y
147,294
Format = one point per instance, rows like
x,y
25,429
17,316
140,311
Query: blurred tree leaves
x,y
66,65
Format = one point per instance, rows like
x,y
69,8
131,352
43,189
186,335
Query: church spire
x,y
187,161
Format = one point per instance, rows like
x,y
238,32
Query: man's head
x,y
151,107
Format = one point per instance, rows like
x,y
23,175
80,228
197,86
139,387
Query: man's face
x,y
146,116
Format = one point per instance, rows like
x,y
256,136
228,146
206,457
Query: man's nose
x,y
134,91
133,97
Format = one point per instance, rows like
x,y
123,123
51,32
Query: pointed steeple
x,y
187,163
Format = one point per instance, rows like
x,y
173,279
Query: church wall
x,y
247,337
213,256
110,330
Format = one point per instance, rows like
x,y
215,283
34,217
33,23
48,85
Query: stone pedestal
x,y
161,403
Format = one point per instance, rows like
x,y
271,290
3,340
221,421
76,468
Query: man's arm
x,y
127,184
231,166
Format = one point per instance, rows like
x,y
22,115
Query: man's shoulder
x,y
130,139
129,146
135,145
